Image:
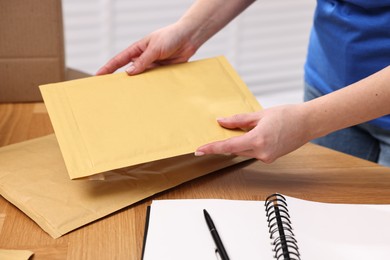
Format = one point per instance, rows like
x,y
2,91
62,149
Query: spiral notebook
x,y
281,227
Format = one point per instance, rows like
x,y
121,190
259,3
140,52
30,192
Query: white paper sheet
x,y
178,230
341,231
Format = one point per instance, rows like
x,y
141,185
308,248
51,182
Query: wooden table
x,y
312,173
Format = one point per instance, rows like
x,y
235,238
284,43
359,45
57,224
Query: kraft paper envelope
x,y
114,121
8,254
33,177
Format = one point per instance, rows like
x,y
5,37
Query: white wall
x,y
266,44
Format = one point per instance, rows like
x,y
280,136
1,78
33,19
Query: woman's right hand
x,y
169,45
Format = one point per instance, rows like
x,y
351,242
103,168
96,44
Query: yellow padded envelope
x,y
114,121
33,177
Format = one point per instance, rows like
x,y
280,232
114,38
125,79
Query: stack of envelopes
x,y
124,138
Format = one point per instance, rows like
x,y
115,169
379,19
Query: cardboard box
x,y
31,48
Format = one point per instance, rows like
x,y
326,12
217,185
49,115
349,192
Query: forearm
x,y
357,103
207,17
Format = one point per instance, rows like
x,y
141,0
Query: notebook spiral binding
x,y
281,233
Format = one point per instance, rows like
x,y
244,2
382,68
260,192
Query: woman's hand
x,y
176,43
274,133
168,45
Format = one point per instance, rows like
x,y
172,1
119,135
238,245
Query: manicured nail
x,y
198,153
130,69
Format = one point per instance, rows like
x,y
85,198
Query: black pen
x,y
218,242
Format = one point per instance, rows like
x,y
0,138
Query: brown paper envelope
x,y
33,177
114,121
8,254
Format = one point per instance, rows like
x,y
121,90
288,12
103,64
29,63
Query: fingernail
x,y
198,153
220,119
130,69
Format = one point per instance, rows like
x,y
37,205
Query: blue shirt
x,y
349,41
